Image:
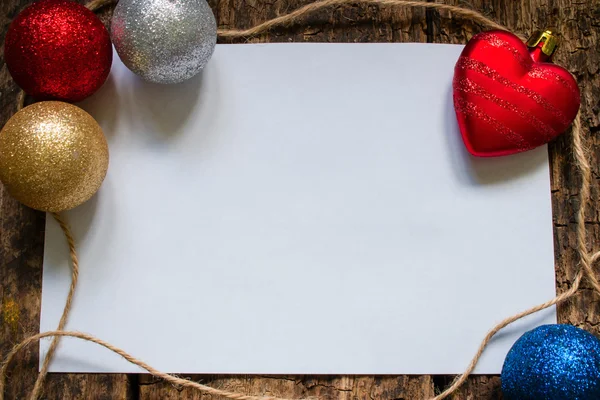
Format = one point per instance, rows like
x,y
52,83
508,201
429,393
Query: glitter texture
x,y
164,41
467,64
491,39
470,109
466,85
553,362
58,49
551,76
53,156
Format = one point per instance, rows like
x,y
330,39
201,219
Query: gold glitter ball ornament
x,y
53,156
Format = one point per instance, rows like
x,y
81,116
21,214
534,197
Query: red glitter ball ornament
x,y
58,49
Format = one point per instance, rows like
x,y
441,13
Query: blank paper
x,y
300,208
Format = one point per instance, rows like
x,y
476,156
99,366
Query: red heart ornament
x,y
507,100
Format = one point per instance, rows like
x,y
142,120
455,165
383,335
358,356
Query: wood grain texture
x,y
291,387
21,237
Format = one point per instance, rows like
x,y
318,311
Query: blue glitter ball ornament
x,y
553,362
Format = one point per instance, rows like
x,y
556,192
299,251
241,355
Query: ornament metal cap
x,y
547,39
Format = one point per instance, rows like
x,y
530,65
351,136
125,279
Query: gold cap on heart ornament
x,y
546,41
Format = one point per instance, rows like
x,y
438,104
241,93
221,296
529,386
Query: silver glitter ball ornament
x,y
164,41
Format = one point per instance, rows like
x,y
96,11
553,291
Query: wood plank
x,y
293,387
577,23
21,252
22,234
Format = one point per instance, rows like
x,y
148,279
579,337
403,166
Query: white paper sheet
x,y
301,208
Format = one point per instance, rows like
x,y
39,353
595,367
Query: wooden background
x,y
22,230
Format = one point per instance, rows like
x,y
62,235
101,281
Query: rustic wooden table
x,y
22,230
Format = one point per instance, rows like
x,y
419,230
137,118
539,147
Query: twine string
x,y
584,270
294,16
37,388
96,5
167,377
557,300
